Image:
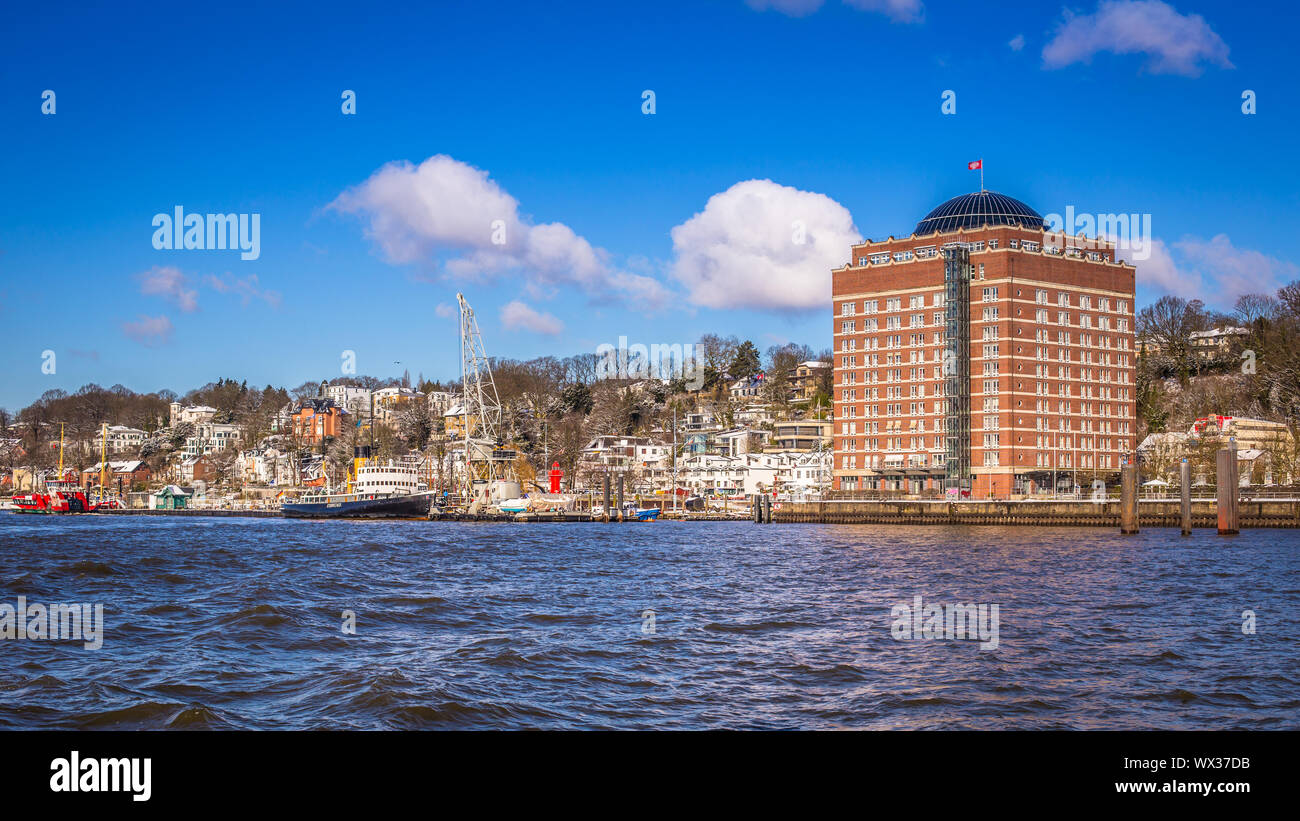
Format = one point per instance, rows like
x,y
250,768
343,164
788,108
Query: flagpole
x,y
981,175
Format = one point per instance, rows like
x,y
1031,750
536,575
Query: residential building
x,y
806,380
739,441
126,475
747,389
196,469
1257,434
623,451
212,437
701,421
1216,342
317,419
441,401
350,398
802,435
194,414
120,439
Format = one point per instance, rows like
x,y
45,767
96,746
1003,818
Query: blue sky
x,y
659,227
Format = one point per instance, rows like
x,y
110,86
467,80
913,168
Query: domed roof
x,y
977,210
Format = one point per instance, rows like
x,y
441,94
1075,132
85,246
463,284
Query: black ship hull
x,y
414,506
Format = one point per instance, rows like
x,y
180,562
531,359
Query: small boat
x,y
632,513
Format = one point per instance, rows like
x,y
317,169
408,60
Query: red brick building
x,y
128,475
317,419
983,353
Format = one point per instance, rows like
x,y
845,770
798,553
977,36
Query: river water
x,y
240,623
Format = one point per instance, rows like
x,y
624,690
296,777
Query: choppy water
x,y
236,623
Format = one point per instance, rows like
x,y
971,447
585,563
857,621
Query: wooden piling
x,y
605,516
1128,498
620,497
1228,490
1185,475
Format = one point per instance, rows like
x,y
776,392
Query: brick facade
x,y
1051,362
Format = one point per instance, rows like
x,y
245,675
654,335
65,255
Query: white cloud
x,y
516,315
1214,270
169,283
1017,42
247,288
444,206
1174,43
444,311
149,330
900,11
792,8
742,251
1232,271
1159,270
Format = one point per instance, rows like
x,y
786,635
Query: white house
x,y
211,437
194,414
120,438
351,398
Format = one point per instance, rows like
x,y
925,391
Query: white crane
x,y
481,408
480,411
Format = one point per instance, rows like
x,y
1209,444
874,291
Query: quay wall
x,y
1151,513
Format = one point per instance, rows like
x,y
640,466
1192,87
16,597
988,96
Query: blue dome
x,y
978,210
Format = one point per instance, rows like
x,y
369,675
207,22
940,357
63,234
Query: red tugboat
x,y
62,495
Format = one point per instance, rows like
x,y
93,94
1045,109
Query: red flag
x,y
975,166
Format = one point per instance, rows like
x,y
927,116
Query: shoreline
x,y
1153,513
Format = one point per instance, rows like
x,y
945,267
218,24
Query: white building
x,y
265,466
623,451
441,401
194,414
120,439
351,398
709,474
739,441
389,401
211,437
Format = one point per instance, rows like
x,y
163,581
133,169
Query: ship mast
x,y
103,454
480,407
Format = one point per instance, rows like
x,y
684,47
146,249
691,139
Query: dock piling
x,y
1185,475
620,497
1228,489
1128,498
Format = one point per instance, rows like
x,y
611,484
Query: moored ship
x,y
63,495
375,491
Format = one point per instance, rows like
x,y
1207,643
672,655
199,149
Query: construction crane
x,y
489,466
481,409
